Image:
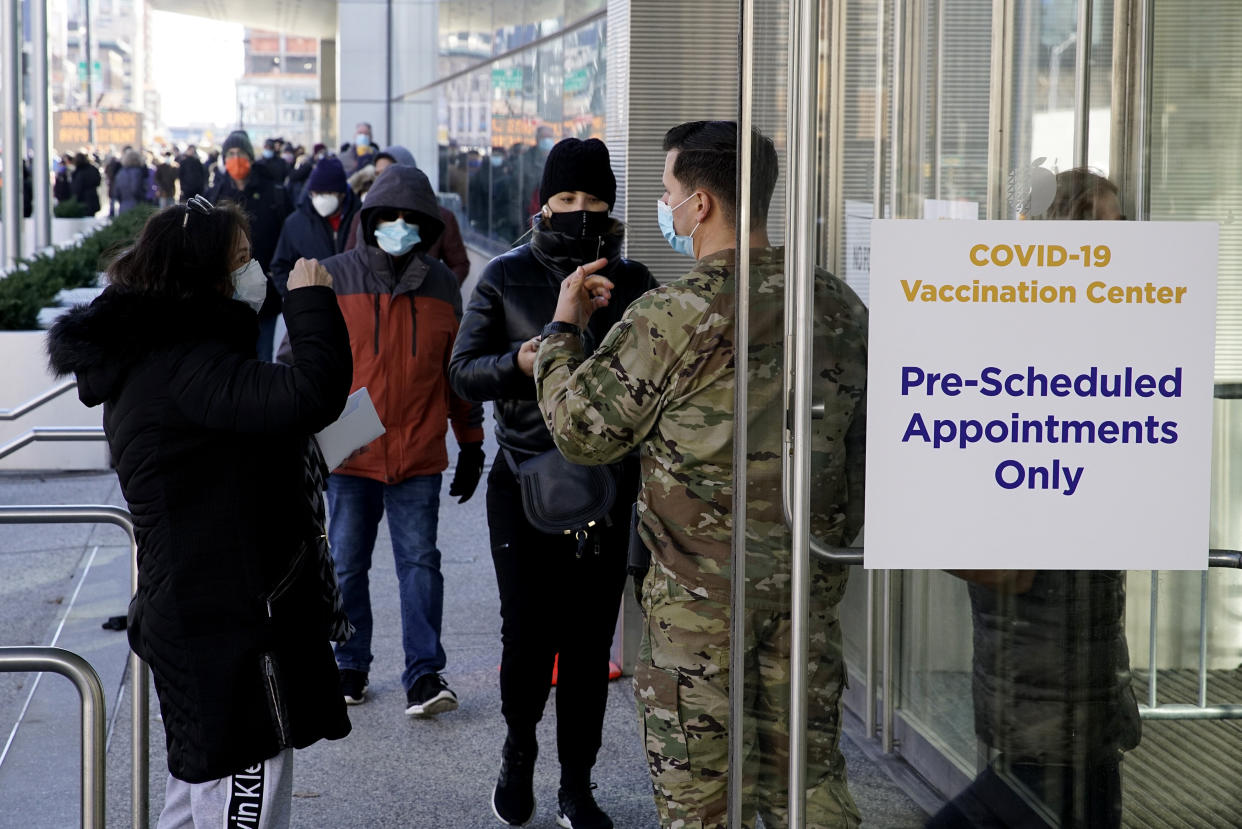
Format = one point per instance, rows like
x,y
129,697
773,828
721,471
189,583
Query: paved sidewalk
x,y
391,772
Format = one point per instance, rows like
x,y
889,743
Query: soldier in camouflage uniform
x,y
663,381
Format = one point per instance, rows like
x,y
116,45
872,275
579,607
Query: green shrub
x,y
69,209
35,282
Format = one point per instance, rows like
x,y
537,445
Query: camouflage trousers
x,y
681,686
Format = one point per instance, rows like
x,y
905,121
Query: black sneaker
x,y
513,799
580,811
353,686
430,696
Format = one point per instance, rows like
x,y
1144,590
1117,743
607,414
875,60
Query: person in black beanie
x,y
556,606
319,227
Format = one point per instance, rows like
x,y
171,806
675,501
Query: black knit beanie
x,y
579,165
239,139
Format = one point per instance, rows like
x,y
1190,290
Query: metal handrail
x,y
52,433
108,514
854,555
1153,710
90,691
35,402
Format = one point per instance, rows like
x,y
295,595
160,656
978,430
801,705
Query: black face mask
x,y
580,224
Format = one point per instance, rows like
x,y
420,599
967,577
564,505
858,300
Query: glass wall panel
x,y
536,82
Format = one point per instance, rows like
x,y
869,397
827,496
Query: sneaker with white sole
x,y
578,810
353,686
513,797
430,696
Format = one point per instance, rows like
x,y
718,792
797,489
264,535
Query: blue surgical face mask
x,y
268,153
681,244
498,160
546,144
396,238
362,139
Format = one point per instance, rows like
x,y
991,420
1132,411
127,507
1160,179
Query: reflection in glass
x,y
497,123
1051,680
837,461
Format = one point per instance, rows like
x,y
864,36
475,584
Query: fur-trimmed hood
x,y
101,341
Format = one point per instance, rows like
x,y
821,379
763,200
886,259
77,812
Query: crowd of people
x,y
613,403
163,175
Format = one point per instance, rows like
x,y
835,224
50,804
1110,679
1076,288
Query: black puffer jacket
x,y
514,299
210,446
1052,670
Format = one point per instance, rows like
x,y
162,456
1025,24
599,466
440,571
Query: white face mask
x,y
325,204
250,285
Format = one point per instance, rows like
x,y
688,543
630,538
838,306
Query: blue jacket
x,y
307,235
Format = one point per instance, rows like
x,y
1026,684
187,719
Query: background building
x,y
280,81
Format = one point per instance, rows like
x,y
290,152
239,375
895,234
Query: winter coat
x,y
192,176
211,447
1051,678
448,248
130,187
514,299
61,189
277,168
267,205
352,161
403,313
165,180
85,187
298,177
308,235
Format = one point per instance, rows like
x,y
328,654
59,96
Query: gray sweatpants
x,y
259,797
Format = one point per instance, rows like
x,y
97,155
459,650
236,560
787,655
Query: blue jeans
x,y
355,507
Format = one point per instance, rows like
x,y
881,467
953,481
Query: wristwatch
x,y
558,327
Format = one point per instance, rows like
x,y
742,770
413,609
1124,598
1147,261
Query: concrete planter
x,y
64,231
24,375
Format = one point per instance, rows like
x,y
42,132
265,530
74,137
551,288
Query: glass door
x,y
1092,698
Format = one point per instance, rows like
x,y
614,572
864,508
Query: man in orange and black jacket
x,y
402,308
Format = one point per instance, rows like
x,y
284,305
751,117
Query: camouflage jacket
x,y
663,380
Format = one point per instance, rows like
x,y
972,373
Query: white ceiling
x,y
309,18
317,18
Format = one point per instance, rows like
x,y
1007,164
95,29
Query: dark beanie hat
x,y
327,176
579,165
238,139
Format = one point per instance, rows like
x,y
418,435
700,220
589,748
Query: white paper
x,y
993,485
357,426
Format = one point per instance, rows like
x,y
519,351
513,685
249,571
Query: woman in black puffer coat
x,y
552,600
236,602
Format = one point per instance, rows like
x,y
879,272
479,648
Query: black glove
x,y
469,470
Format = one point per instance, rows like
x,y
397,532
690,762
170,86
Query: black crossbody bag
x,y
560,497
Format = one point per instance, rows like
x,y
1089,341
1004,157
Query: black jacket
x,y
1051,678
211,447
85,187
514,299
267,205
191,175
308,235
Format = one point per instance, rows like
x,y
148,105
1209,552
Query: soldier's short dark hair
x,y
707,159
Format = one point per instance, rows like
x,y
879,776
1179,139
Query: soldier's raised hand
x,y
581,293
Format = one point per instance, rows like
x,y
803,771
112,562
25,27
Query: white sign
x,y
1040,395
